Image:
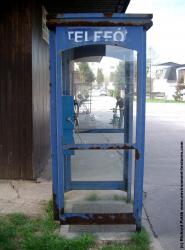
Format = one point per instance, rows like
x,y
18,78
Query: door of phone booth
x,y
76,39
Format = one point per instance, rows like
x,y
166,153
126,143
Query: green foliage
x,y
99,77
117,197
7,235
55,242
178,96
18,219
138,241
164,101
19,232
86,74
92,197
114,247
114,93
119,76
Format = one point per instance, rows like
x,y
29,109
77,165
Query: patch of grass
x,y
7,235
114,247
117,197
20,232
163,101
92,197
55,242
138,241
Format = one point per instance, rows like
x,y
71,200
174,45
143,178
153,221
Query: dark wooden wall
x,y
41,101
15,92
24,92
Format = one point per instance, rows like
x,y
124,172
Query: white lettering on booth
x,y
107,35
79,36
86,37
70,33
118,36
97,35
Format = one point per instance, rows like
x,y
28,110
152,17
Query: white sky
x,y
167,35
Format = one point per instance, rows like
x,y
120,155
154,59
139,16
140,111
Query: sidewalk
x,y
24,197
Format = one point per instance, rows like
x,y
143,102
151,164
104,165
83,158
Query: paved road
x,y
165,128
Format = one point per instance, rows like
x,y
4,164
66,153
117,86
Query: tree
x,y
119,77
111,77
178,96
100,77
86,74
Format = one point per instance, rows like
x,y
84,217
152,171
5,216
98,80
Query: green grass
x,y
163,101
117,197
138,241
19,232
92,197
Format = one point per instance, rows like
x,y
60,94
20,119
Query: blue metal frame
x,y
134,27
140,132
101,130
98,185
128,126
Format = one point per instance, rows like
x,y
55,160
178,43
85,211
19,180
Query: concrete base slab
x,y
103,233
104,204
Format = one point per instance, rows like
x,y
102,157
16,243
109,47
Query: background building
x,y
166,76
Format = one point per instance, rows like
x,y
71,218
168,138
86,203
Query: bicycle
x,y
115,119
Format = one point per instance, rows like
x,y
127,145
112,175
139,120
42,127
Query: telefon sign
x,y
97,35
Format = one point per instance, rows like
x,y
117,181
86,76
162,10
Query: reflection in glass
x,y
103,86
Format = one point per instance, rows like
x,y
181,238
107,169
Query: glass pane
x,y
100,165
103,83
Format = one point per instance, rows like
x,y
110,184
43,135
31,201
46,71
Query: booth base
x,y
103,233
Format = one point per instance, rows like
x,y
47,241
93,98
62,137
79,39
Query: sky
x,y
166,37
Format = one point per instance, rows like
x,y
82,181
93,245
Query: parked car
x,y
95,92
103,92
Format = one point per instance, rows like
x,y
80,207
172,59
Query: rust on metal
x,y
137,154
108,14
97,219
97,146
115,146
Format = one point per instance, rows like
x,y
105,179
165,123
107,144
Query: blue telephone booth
x,y
74,35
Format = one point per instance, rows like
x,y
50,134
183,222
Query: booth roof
x,y
86,6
